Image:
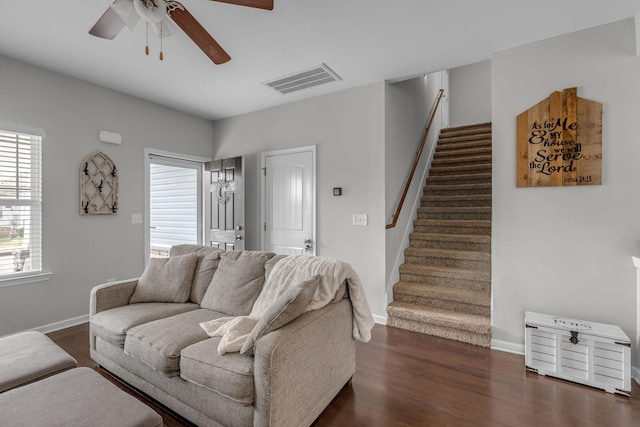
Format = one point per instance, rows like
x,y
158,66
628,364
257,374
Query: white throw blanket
x,y
287,272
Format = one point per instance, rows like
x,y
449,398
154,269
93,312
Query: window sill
x,y
26,278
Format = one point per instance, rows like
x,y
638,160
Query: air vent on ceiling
x,y
304,79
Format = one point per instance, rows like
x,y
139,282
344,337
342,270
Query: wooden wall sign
x,y
559,142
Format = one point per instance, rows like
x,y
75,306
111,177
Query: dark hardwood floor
x,y
407,379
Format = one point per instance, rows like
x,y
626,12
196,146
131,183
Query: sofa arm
x,y
111,295
299,368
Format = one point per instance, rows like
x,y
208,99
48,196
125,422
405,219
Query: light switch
x,y
360,219
136,218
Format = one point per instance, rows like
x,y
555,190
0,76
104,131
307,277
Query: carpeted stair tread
x,y
456,200
468,337
451,319
457,189
469,242
449,170
461,159
454,139
462,238
455,212
465,128
438,292
459,179
452,226
444,253
454,148
446,272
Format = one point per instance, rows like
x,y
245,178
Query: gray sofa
x,y
159,348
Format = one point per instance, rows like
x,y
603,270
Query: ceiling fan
x,y
159,14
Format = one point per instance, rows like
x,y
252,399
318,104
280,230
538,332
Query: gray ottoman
x,y
30,356
78,397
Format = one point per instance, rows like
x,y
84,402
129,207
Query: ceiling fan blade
x,y
108,26
196,32
260,4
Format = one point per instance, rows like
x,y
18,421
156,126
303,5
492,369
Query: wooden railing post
x,y
415,163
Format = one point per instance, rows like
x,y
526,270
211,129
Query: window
x,y
20,203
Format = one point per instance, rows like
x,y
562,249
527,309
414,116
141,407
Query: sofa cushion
x,y
206,265
268,266
286,308
158,344
230,375
237,282
112,325
166,280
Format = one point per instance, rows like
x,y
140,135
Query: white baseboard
x,y
507,346
381,320
56,326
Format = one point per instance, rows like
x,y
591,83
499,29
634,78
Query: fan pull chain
x,y
146,49
161,54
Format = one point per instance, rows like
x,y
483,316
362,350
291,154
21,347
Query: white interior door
x,y
289,201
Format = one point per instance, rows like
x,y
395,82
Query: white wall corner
x,y
380,320
507,346
635,374
636,22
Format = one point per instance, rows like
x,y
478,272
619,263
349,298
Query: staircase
x,y
445,282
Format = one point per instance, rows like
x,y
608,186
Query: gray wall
x,y
470,94
567,250
408,105
83,251
348,129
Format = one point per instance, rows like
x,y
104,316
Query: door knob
x,y
307,244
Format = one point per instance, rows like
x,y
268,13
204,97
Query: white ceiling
x,y
362,40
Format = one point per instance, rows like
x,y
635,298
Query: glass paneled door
x,y
175,203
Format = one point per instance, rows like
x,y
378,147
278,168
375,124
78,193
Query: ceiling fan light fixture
x,y
126,11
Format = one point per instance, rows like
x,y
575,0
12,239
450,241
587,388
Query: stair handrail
x,y
396,215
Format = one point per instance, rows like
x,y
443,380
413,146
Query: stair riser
x,y
458,179
483,340
450,245
426,213
443,304
459,170
446,282
465,264
444,203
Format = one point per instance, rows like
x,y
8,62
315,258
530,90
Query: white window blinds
x,y
20,203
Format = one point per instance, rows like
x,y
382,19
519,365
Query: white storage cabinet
x,y
594,354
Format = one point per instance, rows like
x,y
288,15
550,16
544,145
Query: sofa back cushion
x,y
166,280
237,282
206,265
286,308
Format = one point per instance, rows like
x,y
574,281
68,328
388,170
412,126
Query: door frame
x,y
263,191
146,223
